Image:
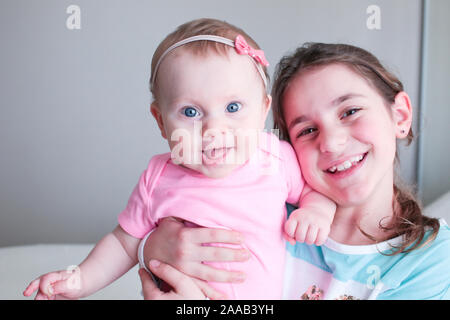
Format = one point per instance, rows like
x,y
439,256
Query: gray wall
x,y
75,127
434,173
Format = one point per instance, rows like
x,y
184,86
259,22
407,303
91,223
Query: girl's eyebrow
x,y
345,97
296,121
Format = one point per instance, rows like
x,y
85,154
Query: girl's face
x,y
207,104
343,132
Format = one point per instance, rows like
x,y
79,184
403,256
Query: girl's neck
x,y
368,216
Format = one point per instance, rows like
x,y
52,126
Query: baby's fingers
x,y
48,281
311,235
65,288
32,287
289,239
290,226
301,232
322,236
40,296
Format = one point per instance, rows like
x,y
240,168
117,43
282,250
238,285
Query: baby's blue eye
x,y
190,112
233,107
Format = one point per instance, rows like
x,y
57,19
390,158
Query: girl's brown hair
x,y
197,27
408,218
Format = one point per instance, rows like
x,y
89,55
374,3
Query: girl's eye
x,y
350,112
233,107
190,112
306,132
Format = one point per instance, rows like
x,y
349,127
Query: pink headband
x,y
239,44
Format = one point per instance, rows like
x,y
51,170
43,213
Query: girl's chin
x,y
352,197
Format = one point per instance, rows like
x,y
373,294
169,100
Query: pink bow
x,y
242,47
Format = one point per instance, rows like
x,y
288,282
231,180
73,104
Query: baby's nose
x,y
214,127
217,133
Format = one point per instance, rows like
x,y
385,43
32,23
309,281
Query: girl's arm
x,y
113,255
181,247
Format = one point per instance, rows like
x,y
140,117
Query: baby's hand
x,y
64,283
307,225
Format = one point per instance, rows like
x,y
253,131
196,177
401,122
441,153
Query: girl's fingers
x,y
212,235
149,288
181,283
208,291
209,273
221,254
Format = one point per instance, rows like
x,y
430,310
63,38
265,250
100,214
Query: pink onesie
x,y
250,200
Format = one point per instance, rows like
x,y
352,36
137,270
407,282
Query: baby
x,y
209,83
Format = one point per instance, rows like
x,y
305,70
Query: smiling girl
x,y
343,112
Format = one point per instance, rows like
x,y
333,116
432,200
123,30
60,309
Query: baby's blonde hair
x,y
196,27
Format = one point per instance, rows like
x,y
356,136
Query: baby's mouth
x,y
214,154
347,164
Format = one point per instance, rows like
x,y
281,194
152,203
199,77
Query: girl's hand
x,y
182,247
60,284
183,287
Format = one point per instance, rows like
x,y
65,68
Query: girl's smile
x,y
343,168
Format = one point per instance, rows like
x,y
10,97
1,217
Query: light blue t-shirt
x,y
338,271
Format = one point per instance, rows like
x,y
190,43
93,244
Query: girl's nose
x,y
333,140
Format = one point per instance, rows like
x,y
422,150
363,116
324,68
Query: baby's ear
x,y
156,112
402,114
267,103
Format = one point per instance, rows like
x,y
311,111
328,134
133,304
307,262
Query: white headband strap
x,y
201,37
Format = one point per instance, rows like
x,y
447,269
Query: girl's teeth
x,y
346,164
